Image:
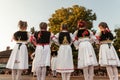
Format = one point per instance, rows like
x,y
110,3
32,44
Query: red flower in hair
x,y
85,33
81,24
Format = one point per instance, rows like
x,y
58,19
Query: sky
x,y
36,11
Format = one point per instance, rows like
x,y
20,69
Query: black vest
x,y
62,35
83,33
42,37
106,36
21,36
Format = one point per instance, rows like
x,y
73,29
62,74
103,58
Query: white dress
x,y
42,55
53,63
64,58
19,57
107,54
86,53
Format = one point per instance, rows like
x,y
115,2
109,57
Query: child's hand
x,y
32,56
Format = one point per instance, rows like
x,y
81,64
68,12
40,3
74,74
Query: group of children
x,y
82,40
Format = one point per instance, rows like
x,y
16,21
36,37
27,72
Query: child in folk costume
x,y
64,57
86,55
18,60
107,54
42,40
53,61
33,62
31,44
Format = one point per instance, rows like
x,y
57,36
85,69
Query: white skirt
x,y
108,56
18,58
53,63
86,55
42,56
64,59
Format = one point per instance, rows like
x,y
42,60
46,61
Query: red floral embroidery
x,y
39,35
81,23
98,37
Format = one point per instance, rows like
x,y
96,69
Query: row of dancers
x,y
82,39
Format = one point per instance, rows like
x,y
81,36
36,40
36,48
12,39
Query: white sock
x,y
38,73
110,72
63,76
68,76
43,73
91,72
54,72
115,71
19,72
13,74
86,74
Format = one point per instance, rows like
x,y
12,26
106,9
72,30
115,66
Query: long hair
x,y
104,25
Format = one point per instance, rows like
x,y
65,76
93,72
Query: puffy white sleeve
x,y
55,39
72,37
75,41
98,33
51,38
93,38
29,35
75,33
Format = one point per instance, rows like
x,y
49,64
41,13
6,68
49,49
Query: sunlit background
x,y
35,11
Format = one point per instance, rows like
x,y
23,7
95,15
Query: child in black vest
x,y
64,58
107,54
42,40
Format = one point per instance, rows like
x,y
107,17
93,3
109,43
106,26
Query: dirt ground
x,y
30,77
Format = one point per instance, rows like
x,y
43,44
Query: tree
x,y
117,41
70,16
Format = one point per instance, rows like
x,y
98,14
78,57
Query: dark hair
x,y
43,25
64,26
103,24
22,24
